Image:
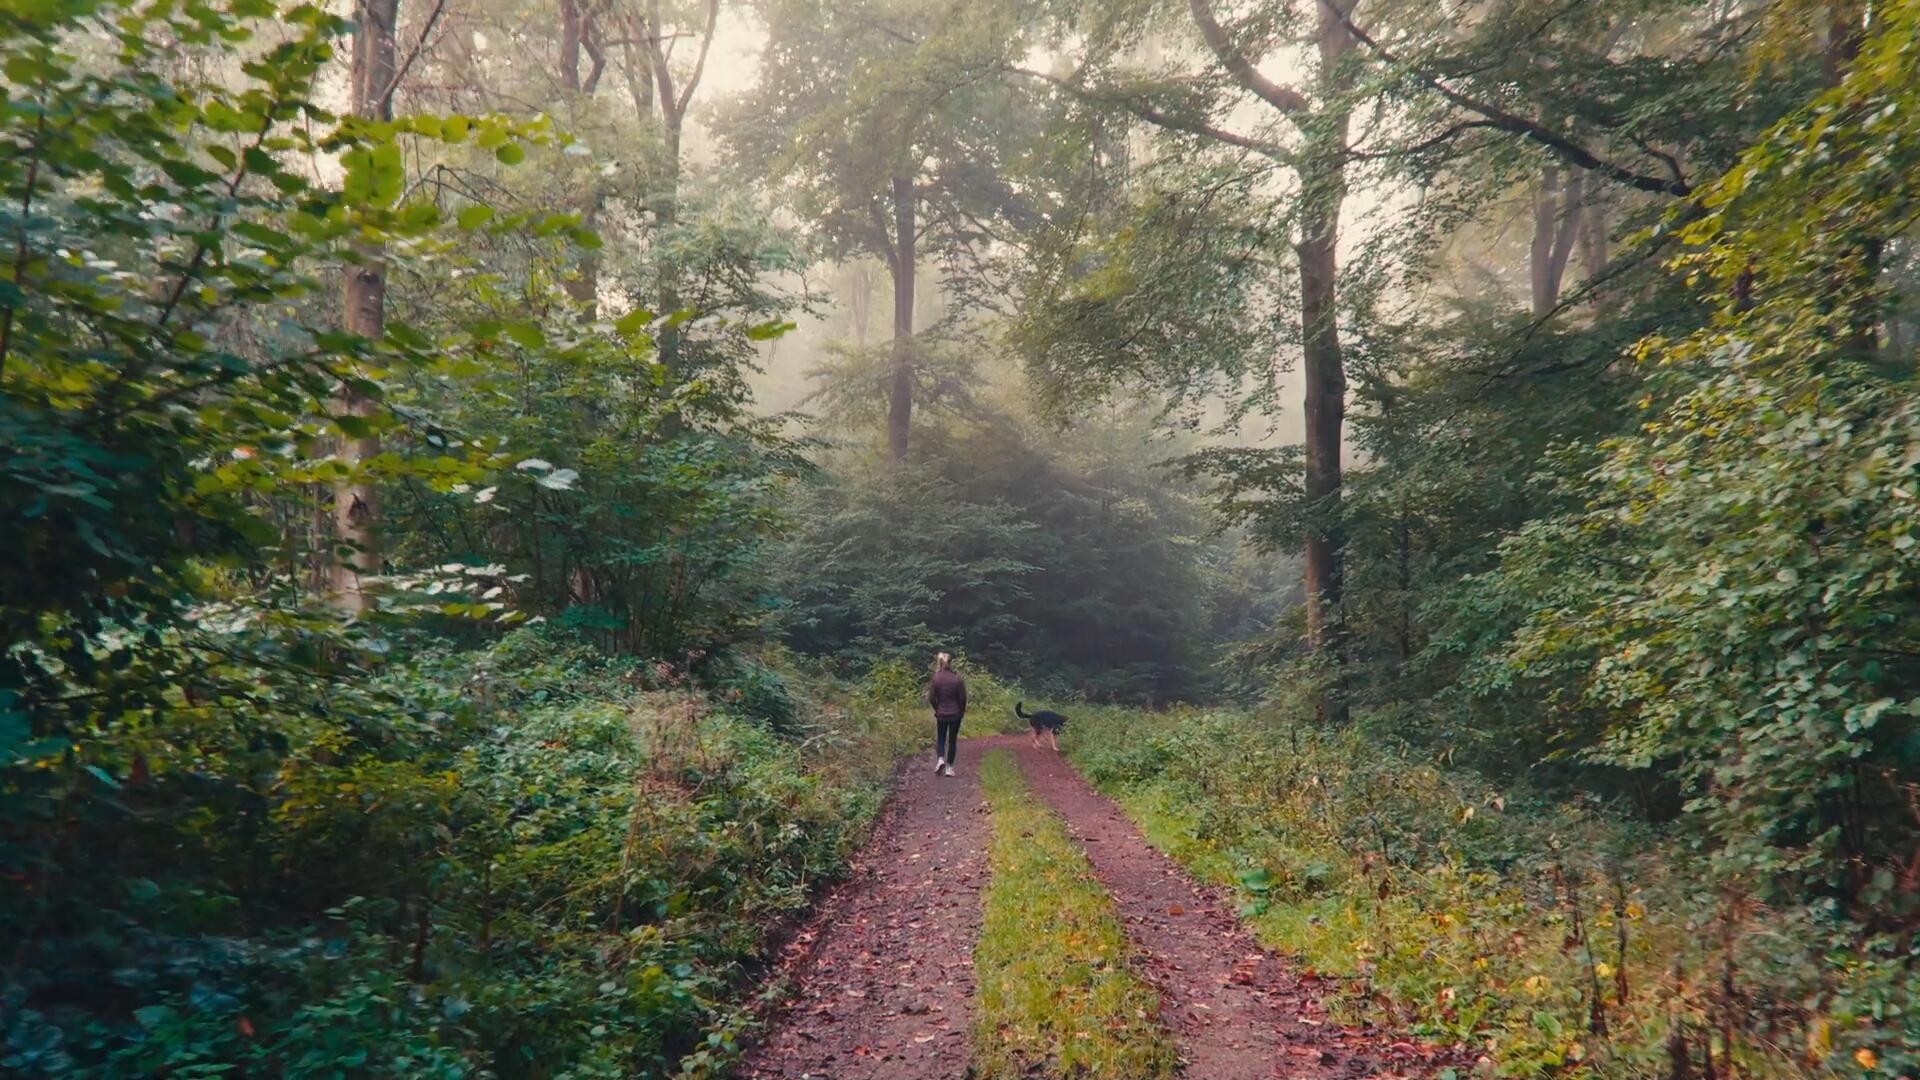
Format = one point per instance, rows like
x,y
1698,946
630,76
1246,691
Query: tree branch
x,y
1422,146
400,74
1285,98
700,62
1158,118
1560,145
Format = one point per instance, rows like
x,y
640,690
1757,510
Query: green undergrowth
x,y
1056,992
1546,936
897,691
522,861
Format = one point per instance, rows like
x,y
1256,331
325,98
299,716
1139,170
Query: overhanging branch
x,y
1560,145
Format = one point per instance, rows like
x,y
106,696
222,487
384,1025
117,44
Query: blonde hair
x,y
943,662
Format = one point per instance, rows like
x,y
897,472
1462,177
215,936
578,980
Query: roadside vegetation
x,y
1548,934
529,853
1057,994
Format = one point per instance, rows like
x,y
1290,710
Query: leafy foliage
x,y
1749,622
242,833
508,862
1546,934
1067,563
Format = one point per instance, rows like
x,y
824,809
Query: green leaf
x,y
635,321
473,217
525,334
511,153
767,331
353,427
389,174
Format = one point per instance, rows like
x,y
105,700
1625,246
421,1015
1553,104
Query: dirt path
x,y
1237,1012
885,972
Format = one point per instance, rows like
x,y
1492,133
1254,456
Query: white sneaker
x,y
949,771
941,763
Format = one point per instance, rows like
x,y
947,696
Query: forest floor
x,y
882,977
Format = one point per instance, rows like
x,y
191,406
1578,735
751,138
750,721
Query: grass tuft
x,y
1057,992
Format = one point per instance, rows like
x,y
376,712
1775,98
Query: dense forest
x,y
481,482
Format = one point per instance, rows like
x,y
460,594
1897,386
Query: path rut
x,y
884,973
1236,1011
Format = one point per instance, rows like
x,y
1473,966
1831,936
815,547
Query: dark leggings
x,y
946,738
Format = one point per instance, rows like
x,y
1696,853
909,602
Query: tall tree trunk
x,y
1593,242
1325,410
1323,189
860,303
1844,32
900,398
638,68
666,213
1556,226
356,507
673,102
571,36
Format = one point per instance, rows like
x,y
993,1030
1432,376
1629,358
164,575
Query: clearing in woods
x,y
883,977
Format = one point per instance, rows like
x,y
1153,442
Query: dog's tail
x,y
1018,708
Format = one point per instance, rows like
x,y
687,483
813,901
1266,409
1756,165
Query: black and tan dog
x,y
1041,720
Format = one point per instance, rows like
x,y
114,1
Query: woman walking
x,y
948,696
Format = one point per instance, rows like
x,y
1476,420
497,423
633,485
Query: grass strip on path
x,y
1055,986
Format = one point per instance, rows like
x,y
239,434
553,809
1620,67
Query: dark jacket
x,y
948,695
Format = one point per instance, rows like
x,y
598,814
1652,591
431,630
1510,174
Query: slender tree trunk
x,y
1323,189
577,34
570,41
666,215
673,101
1593,240
356,507
1845,31
1557,212
638,69
1858,276
860,303
900,397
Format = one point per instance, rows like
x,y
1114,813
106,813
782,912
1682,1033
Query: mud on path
x,y
1236,1011
884,972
